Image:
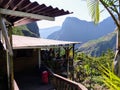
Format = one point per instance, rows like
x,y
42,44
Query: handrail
x,y
61,83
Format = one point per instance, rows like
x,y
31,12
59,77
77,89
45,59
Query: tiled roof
x,y
24,42
29,7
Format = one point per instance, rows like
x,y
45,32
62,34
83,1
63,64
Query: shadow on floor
x,y
31,80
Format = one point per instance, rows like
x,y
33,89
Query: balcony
x,y
61,83
31,80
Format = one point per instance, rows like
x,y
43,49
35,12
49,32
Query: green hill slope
x,y
27,30
99,46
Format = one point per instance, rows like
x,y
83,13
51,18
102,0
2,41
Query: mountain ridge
x,y
74,29
99,46
47,31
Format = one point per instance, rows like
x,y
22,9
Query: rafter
x,y
24,14
24,21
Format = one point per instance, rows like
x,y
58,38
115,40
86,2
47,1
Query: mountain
x,y
33,27
44,33
30,29
74,29
100,45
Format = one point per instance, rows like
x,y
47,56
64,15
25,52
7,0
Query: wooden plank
x,y
24,14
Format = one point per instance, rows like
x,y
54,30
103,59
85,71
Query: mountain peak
x,y
74,29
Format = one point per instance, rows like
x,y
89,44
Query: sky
x,y
78,7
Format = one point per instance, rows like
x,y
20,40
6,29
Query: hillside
x,y
27,30
99,46
74,29
71,31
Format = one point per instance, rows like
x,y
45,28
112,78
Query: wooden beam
x,y
25,14
24,21
5,34
41,47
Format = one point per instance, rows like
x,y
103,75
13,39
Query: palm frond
x,y
109,78
93,7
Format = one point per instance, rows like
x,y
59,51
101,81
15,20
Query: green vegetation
x,y
100,45
18,30
109,78
23,31
87,69
112,6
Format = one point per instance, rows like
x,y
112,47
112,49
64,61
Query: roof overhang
x,y
28,17
15,11
24,42
19,12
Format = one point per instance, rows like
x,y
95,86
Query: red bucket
x,y
45,77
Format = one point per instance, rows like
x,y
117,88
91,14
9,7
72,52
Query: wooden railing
x,y
61,83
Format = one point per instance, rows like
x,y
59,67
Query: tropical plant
x,y
87,68
109,78
18,30
113,7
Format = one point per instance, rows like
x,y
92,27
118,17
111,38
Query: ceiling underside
x,y
29,7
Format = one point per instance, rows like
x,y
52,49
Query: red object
x,y
45,77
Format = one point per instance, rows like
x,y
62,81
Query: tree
x,y
113,7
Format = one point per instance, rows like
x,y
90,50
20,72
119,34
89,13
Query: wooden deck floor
x,y
31,80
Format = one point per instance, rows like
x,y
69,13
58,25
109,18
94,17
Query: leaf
x,y
109,78
93,7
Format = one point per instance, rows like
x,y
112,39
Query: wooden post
x,y
8,69
11,74
9,54
67,55
39,58
5,35
11,60
73,49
